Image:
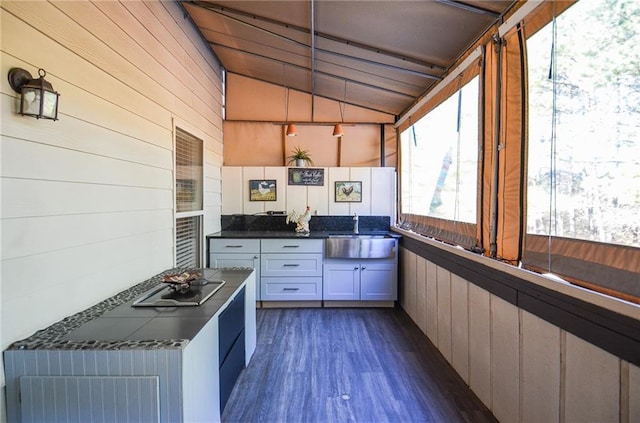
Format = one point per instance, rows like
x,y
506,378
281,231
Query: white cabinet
x,y
367,280
378,281
232,252
291,269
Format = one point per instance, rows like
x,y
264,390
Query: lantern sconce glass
x,y
37,97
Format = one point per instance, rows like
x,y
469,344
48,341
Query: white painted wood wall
x,y
87,201
522,368
378,191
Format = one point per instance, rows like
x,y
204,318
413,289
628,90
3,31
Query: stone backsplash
x,y
264,222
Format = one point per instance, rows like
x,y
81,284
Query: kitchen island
x,y
115,362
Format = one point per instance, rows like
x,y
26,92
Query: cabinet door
x,y
238,260
341,281
378,281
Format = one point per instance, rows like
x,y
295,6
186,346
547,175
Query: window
x,y
188,250
189,203
440,159
584,142
439,156
584,154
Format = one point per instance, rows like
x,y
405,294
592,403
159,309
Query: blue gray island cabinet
x,y
118,363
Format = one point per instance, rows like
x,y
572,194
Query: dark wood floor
x,y
348,365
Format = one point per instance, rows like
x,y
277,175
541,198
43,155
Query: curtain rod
x,y
518,16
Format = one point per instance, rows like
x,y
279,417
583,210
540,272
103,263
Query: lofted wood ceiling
x,y
379,54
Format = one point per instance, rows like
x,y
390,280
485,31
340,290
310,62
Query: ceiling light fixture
x,y
337,129
37,97
292,131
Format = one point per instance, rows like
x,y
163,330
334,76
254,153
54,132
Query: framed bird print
x,y
262,190
348,191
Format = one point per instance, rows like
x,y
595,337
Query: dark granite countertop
x,y
114,324
293,234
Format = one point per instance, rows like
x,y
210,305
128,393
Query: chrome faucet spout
x,y
355,223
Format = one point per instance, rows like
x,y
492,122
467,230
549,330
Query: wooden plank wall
x,y
87,201
378,191
520,366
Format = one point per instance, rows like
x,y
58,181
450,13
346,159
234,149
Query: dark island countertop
x,y
114,324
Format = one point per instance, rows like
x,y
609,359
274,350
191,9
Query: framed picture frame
x,y
306,176
348,192
263,190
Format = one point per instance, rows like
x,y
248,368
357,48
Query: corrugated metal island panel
x,y
90,398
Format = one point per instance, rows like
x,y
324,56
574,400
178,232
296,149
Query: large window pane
x,y
189,174
189,203
440,159
584,124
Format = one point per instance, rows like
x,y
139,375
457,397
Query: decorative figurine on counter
x,y
301,220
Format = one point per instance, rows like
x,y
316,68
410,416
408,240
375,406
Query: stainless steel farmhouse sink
x,y
360,246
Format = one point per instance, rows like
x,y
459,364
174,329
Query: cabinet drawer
x,y
235,260
292,246
233,245
291,265
298,289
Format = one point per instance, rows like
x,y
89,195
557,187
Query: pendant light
x,y
291,131
337,129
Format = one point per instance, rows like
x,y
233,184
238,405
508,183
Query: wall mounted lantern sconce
x,y
37,97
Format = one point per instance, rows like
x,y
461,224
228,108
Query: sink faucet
x,y
355,223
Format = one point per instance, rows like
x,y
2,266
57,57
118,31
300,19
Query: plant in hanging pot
x,y
300,157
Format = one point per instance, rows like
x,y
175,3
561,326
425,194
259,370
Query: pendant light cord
x,y
344,102
553,76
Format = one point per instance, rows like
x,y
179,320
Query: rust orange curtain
x,y
504,146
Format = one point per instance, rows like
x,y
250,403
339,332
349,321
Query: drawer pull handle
x,y
290,289
355,268
290,246
233,246
291,265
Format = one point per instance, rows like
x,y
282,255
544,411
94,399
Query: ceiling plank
x,y
225,11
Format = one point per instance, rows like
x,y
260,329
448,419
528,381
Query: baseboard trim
x,y
360,304
291,304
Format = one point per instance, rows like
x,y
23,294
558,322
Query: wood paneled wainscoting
x,y
533,349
